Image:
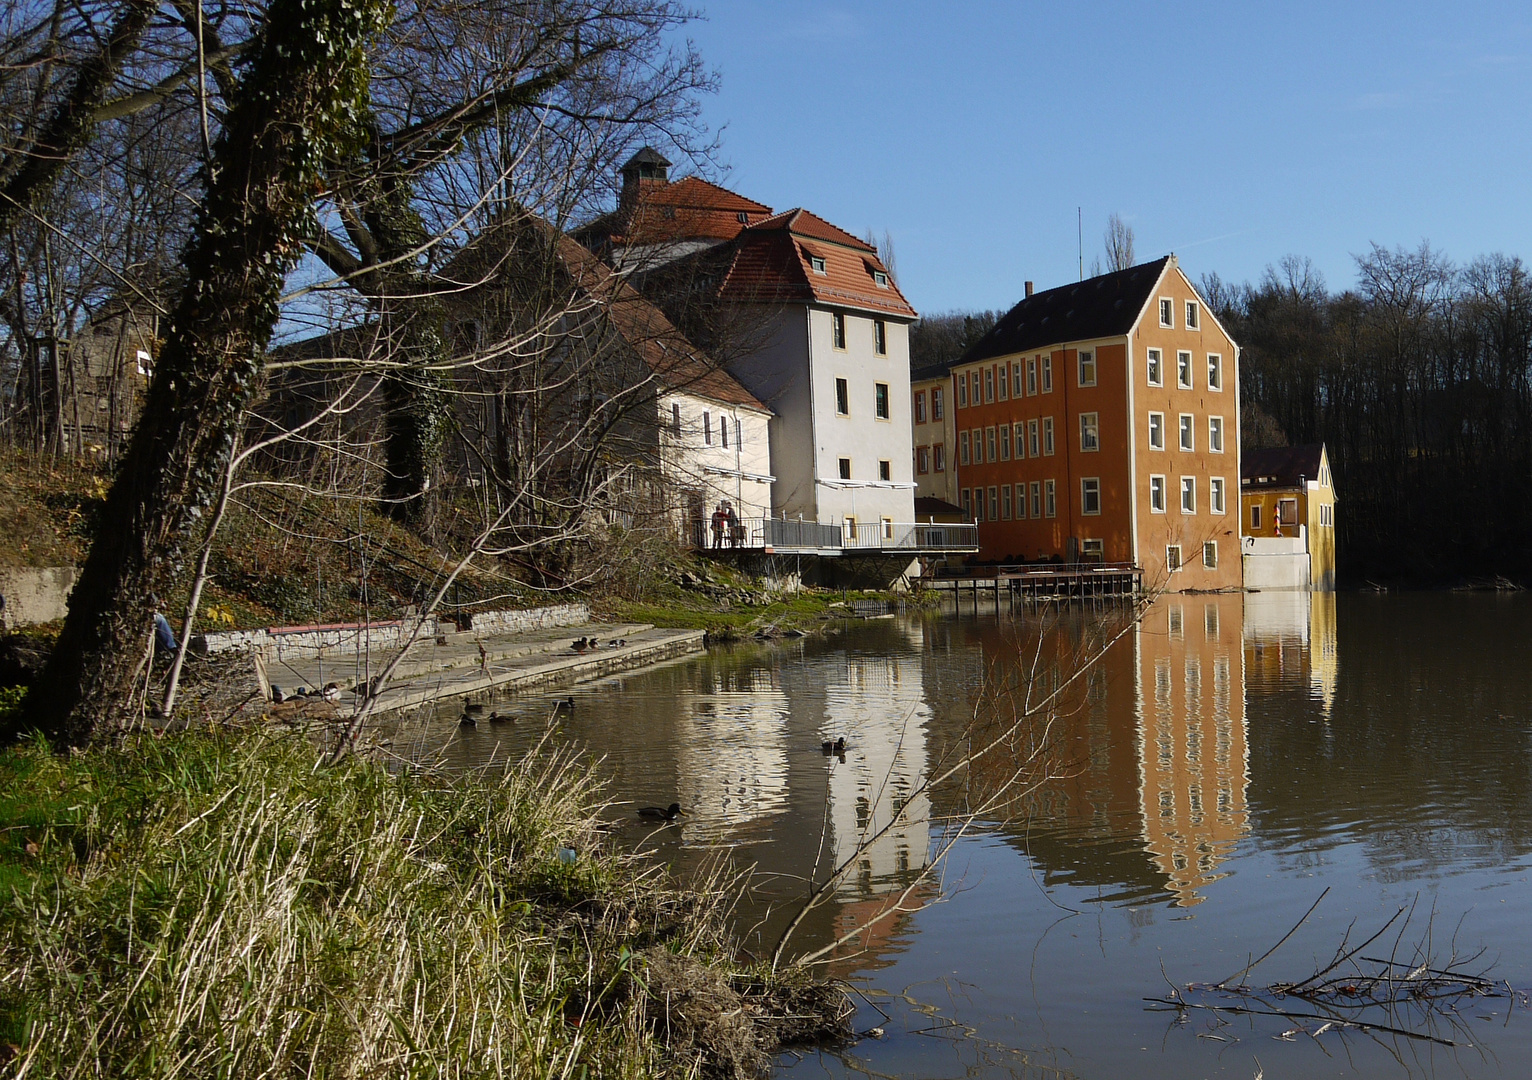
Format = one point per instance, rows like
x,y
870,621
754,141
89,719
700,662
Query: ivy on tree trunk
x,y
300,105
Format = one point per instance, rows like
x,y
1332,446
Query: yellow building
x,y
1287,498
933,435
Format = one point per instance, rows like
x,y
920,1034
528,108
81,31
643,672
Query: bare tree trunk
x,y
296,108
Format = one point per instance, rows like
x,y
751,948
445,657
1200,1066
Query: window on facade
x,y
880,399
1090,495
739,434
842,397
143,363
1047,374
939,457
1090,432
885,470
845,468
989,385
880,337
838,329
1092,551
1047,436
1191,314
967,500
1210,555
1032,447
1156,431
1021,502
723,431
1156,367
1005,502
989,443
1167,311
1005,442
816,263
922,459
1032,376
1016,369
1157,494
1255,518
920,406
1215,371
994,503
962,388
675,419
1184,370
1005,382
1215,495
888,528
978,504
1287,512
1087,367
1188,439
963,454
937,409
1050,499
707,428
1215,434
1173,562
1188,494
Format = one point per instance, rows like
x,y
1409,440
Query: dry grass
x,y
218,906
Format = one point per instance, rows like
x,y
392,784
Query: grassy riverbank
x,y
217,905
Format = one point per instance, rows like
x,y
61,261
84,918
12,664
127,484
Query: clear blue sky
x,y
1230,133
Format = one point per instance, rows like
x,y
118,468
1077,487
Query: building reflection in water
x,y
731,753
1290,643
1194,753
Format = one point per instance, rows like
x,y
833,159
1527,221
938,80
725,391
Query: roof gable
x,y
1104,306
1281,466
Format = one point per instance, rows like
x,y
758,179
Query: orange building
x,y
1099,422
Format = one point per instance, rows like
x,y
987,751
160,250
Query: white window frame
x,y
989,385
1184,377
1157,428
939,457
1032,438
1016,379
1215,372
1005,442
989,445
1173,563
1085,363
1019,439
1193,316
1217,499
1032,377
817,264
1047,366
1209,559
1047,436
994,503
1090,432
707,428
1090,485
965,457
1188,495
1168,312
1186,432
879,337
1021,500
1255,517
1215,434
962,389
1155,366
1004,378
938,409
1005,502
838,331
1050,498
1156,493
843,473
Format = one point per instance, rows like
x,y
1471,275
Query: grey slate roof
x,y
1280,466
1097,307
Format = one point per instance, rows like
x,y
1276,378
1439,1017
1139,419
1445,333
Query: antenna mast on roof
x,y
1080,238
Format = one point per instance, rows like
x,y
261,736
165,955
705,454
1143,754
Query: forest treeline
x,y
1418,378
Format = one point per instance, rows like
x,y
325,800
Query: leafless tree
x,y
1118,240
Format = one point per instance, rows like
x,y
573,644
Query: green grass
x,y
223,906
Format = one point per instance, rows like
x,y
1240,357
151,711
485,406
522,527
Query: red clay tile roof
x,y
689,209
676,362
772,264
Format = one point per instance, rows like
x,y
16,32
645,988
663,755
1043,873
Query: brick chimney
x,y
1029,288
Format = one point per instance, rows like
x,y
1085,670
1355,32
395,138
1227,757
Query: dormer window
x,y
817,264
880,279
742,217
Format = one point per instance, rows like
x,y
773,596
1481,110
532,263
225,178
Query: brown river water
x,y
1200,786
